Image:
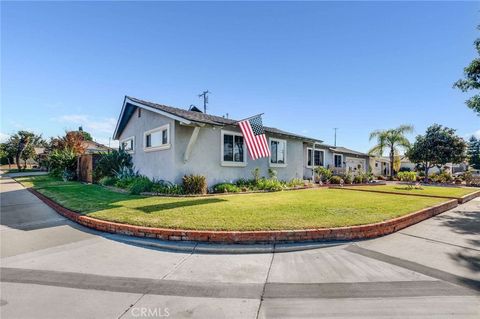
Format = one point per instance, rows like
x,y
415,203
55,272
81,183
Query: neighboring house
x,y
380,166
347,159
92,147
168,143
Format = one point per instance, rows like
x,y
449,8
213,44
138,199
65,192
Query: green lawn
x,y
302,209
426,190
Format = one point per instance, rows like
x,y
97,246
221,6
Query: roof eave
x,y
127,100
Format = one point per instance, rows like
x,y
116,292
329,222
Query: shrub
x,y
125,172
409,177
242,182
357,179
256,174
270,184
381,178
364,176
348,177
139,185
124,182
443,177
165,187
195,184
323,173
68,175
295,182
110,163
468,177
63,163
108,181
336,180
226,188
272,173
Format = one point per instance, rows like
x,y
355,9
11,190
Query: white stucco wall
x,y
205,157
156,164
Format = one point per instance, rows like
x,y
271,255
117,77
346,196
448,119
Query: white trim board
x,y
159,147
146,107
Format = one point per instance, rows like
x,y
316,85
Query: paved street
x,y
53,268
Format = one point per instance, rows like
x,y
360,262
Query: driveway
x,y
53,268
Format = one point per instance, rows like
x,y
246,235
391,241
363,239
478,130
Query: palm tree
x,y
391,140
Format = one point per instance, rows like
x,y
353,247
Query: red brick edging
x,y
461,200
322,234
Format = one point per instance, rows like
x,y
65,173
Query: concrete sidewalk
x,y
52,268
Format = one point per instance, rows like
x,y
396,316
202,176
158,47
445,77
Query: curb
x,y
253,237
461,200
212,248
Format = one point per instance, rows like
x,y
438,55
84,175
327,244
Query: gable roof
x,y
187,117
344,150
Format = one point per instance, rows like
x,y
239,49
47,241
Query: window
x,y
338,160
157,139
139,112
318,157
278,148
128,144
233,149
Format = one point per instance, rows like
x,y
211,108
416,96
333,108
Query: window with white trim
x,y
128,144
278,148
338,160
157,139
317,156
233,149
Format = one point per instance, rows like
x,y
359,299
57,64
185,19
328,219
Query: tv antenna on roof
x,y
205,100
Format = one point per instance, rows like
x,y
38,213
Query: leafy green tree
x,y
472,80
86,135
6,154
439,146
392,140
22,146
473,152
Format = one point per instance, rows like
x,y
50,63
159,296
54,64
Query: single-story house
x,y
92,147
168,143
380,165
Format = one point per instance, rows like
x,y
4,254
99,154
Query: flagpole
x,y
251,117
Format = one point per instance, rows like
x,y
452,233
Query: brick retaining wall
x,y
461,200
323,234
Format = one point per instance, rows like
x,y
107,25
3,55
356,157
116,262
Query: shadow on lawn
x,y
177,204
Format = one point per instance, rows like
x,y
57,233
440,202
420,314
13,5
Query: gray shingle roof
x,y
211,119
343,150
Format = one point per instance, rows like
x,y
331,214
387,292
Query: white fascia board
x,y
174,117
146,107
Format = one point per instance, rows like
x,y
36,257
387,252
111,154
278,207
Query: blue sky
x,y
309,67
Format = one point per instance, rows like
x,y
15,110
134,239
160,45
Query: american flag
x,y
255,138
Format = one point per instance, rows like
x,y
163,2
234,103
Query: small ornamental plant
x,y
409,177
